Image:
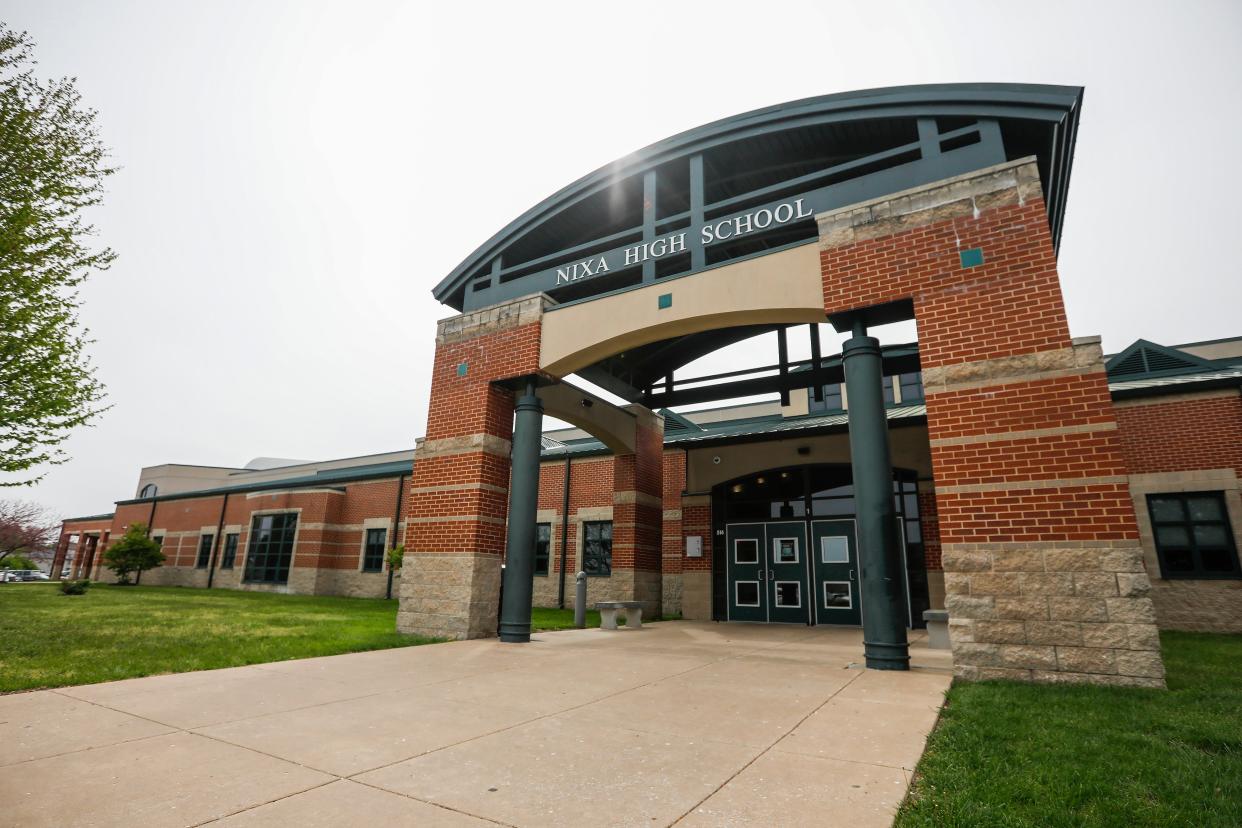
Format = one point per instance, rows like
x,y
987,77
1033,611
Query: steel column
x,y
519,572
883,616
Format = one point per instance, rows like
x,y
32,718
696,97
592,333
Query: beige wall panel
x,y
780,287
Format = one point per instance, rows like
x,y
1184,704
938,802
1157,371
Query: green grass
x,y
1007,754
53,640
551,618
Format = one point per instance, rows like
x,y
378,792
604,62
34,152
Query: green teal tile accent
x,y
461,369
972,257
665,301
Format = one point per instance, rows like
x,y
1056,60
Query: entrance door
x,y
835,552
747,571
787,572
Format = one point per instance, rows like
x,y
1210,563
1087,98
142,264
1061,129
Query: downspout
x,y
560,590
215,547
396,522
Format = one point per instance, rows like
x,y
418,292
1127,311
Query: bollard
x,y
580,600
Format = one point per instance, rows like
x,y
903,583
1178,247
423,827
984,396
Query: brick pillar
x,y
58,560
458,491
696,573
673,541
638,514
1043,569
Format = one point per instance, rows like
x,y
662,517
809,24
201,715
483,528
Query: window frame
x,y
228,558
206,542
586,527
1198,573
288,534
547,552
370,563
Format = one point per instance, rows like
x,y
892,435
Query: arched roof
x,y
834,150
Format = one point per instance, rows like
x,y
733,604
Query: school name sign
x,y
713,232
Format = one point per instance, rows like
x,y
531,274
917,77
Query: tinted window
x,y
271,548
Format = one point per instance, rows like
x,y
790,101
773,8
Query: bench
x,y
937,629
608,614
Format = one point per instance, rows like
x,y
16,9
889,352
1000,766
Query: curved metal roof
x,y
825,141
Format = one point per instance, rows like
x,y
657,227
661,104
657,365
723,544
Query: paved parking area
x,y
679,723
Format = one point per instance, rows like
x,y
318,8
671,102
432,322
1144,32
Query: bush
x,y
75,587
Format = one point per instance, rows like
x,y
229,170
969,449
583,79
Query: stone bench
x,y
937,629
608,614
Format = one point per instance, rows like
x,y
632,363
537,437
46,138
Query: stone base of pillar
x,y
449,596
670,595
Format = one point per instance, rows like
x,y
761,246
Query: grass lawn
x,y
1007,754
551,618
53,640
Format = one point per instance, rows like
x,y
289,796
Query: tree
x,y
134,552
18,561
52,169
26,530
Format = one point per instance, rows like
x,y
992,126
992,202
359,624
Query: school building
x,y
1060,504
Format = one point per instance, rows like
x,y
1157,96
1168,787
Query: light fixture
x,y
585,403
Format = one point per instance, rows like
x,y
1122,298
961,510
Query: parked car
x,y
35,575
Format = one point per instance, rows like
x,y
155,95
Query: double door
x,y
792,572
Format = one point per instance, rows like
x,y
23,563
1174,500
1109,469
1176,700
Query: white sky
x,y
297,176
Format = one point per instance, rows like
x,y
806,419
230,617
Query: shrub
x,y
134,552
75,587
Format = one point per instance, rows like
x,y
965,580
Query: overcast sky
x,y
297,176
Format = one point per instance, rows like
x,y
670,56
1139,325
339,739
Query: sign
x,y
713,232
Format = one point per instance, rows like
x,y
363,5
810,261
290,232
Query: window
x,y
832,399
834,549
788,593
204,551
230,551
159,541
597,548
784,550
271,548
911,387
837,595
149,490
543,542
746,593
1193,536
888,390
745,551
373,551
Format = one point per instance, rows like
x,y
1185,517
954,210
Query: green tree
x,y
18,562
52,169
134,552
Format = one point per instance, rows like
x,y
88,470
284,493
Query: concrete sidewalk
x,y
679,723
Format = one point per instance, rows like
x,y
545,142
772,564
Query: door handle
x,y
851,574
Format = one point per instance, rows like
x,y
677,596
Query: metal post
x,y
884,627
519,571
580,600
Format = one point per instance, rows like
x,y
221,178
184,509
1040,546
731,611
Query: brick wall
x,y
1182,433
1189,442
1039,541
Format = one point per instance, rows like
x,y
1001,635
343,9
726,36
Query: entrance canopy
x,y
750,184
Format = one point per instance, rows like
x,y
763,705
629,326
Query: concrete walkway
x,y
679,723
